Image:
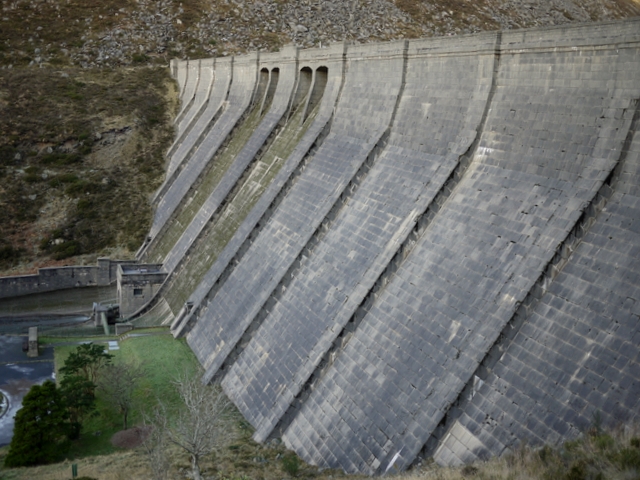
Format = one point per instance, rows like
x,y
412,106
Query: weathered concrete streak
x,y
186,144
240,94
443,100
356,129
331,59
546,149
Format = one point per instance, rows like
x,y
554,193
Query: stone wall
x,y
60,278
441,262
238,99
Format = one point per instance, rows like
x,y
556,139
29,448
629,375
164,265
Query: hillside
x,y
86,101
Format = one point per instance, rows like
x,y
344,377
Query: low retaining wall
x,y
59,278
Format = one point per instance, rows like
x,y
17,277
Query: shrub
x,y
62,179
66,250
291,464
60,159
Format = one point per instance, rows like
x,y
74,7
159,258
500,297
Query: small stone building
x,y
137,284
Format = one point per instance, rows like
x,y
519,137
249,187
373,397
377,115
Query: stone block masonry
x,y
327,67
188,141
201,95
444,262
188,92
576,356
275,104
180,191
382,212
309,200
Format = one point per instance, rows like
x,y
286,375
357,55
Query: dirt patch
x,y
130,438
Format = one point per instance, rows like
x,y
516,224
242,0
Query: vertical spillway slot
x,y
263,82
304,83
273,84
319,84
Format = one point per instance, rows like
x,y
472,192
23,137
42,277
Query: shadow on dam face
x,y
415,248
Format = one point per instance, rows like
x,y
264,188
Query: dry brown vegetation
x,y
80,153
597,456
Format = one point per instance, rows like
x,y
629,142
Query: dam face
x,y
418,248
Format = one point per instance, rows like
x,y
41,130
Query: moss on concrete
x,y
219,233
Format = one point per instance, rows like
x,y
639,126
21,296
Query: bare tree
x,y
118,383
204,424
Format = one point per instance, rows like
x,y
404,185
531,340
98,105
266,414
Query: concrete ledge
x,y
463,45
602,35
123,328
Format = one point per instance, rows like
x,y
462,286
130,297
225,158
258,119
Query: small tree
x,y
118,383
40,428
78,394
87,360
203,424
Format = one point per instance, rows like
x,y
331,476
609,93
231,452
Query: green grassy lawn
x,y
162,358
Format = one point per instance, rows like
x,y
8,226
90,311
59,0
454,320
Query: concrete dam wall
x,y
419,248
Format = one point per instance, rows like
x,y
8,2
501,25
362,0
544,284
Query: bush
x,y
66,250
291,464
62,179
629,459
7,154
61,159
9,254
